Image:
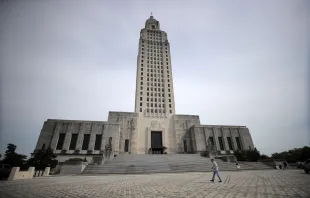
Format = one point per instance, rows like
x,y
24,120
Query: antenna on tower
x,y
151,13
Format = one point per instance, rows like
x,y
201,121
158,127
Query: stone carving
x,y
108,148
155,124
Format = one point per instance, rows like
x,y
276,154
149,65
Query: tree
x,y
240,155
293,155
253,155
43,158
263,156
249,155
12,158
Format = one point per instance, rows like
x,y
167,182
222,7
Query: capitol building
x,y
153,126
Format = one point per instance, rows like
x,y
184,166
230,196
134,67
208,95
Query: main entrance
x,y
156,142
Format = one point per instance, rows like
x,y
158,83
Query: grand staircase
x,y
174,163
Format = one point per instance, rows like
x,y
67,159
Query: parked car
x,y
299,164
5,171
307,166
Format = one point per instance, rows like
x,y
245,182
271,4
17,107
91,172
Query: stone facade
x,y
154,113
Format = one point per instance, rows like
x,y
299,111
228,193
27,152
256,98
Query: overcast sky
x,y
234,63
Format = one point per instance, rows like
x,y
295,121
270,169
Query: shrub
x,y
204,154
73,161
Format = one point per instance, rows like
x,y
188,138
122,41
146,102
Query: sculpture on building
x,y
108,149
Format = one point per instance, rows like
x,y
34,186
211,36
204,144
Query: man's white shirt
x,y
215,167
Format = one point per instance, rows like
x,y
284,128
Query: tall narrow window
x,y
229,143
61,141
211,140
85,142
238,143
221,143
98,142
73,141
126,148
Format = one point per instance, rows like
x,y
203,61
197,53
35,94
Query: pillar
x,y
68,137
13,173
233,140
31,172
92,138
55,136
80,137
103,140
47,171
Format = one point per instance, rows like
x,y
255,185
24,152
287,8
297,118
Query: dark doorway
x,y
126,145
156,142
185,146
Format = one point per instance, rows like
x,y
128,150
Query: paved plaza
x,y
271,183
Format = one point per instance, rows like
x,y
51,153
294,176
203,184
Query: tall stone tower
x,y
154,88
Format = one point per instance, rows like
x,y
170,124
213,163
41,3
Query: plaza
x,y
268,183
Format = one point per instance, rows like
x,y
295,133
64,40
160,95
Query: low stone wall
x,y
16,174
73,168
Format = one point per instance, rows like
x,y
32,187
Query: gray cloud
x,y
243,63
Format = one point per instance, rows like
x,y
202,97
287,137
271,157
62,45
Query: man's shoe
x,y
220,181
211,181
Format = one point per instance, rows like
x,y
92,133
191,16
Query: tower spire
x,y
151,13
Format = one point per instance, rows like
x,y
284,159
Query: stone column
x,y
104,134
55,136
216,140
241,140
92,139
68,137
233,140
80,137
224,139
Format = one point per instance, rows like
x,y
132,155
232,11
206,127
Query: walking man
x,y
215,169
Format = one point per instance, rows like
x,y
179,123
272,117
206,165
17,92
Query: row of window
x,y
155,61
155,99
155,46
151,42
154,75
153,80
154,58
156,110
229,141
73,142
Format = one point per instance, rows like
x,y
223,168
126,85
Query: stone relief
x,y
155,124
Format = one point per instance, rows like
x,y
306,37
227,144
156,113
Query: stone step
x,y
139,164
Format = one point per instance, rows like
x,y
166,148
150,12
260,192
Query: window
x,y
148,104
126,148
221,143
141,78
168,85
169,95
170,111
169,105
61,141
229,143
73,141
211,140
238,143
140,104
168,90
140,98
169,100
141,88
141,83
98,142
140,109
85,141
